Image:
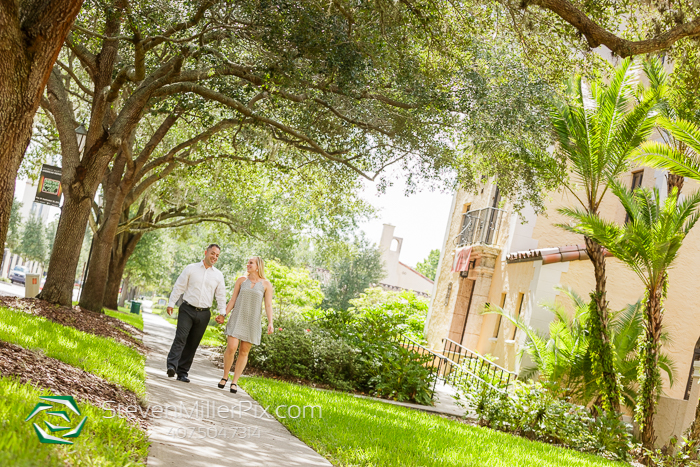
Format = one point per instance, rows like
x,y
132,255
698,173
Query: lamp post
x,y
81,136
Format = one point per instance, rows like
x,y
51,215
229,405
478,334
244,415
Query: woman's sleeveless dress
x,y
245,320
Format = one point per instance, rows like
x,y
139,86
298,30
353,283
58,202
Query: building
x,y
493,254
400,276
26,194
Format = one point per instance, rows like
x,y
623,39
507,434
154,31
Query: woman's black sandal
x,y
221,386
234,390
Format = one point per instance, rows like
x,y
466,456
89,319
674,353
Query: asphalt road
x,y
17,290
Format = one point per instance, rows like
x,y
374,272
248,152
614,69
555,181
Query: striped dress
x,y
245,320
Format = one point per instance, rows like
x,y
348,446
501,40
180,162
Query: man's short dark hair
x,y
212,246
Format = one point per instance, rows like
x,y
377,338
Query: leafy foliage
x,y
33,244
354,349
534,411
428,267
681,159
15,227
353,270
562,357
295,291
405,310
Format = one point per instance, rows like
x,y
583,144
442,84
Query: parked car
x,y
18,274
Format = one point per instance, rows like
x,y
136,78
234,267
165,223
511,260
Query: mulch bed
x,y
43,372
80,319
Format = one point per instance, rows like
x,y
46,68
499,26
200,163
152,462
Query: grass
x,y
126,316
94,354
213,337
103,441
359,432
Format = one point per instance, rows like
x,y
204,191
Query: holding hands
x,y
220,319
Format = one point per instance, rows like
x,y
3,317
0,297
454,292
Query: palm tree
x,y
679,150
648,244
596,130
679,153
562,358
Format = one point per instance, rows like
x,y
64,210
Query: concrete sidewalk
x,y
197,424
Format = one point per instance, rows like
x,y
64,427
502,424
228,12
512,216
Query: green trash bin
x,y
135,307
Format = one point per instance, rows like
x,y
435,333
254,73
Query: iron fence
x,y
458,365
476,366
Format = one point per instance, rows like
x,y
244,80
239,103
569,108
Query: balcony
x,y
480,227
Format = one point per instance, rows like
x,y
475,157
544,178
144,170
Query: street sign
x,y
49,189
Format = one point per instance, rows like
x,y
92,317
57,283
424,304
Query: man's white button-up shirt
x,y
199,285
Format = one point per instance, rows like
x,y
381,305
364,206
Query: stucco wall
x,y
410,279
682,316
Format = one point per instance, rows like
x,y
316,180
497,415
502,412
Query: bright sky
x,y
420,219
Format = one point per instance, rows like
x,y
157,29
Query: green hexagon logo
x,y
56,429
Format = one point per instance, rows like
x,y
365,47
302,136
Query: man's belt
x,y
195,307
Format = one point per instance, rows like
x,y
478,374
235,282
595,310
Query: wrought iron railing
x,y
477,366
458,365
480,226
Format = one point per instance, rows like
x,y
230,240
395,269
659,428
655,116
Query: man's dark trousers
x,y
191,325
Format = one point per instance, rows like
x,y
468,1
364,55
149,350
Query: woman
x,y
244,324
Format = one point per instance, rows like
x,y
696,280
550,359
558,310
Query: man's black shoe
x,y
184,379
171,372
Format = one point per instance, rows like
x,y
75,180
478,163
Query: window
x,y
498,322
521,299
636,183
447,295
637,179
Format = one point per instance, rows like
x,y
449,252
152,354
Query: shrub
x,y
359,355
531,410
306,351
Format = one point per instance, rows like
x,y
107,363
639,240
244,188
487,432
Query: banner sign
x,y
49,189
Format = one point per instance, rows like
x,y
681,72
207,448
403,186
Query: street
x,y
17,290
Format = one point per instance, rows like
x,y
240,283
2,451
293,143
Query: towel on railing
x,y
461,261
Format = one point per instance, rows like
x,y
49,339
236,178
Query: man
x,y
198,284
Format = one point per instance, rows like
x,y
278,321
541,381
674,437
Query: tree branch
x,y
597,35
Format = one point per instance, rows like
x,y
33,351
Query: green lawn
x,y
103,441
360,432
98,355
126,316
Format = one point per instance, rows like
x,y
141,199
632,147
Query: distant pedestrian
x,y
198,284
246,314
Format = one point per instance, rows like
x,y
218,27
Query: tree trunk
x,y
601,347
102,244
124,246
31,36
674,181
66,250
649,386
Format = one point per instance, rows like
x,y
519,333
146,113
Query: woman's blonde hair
x,y
261,266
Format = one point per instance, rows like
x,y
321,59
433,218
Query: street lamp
x,y
81,136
